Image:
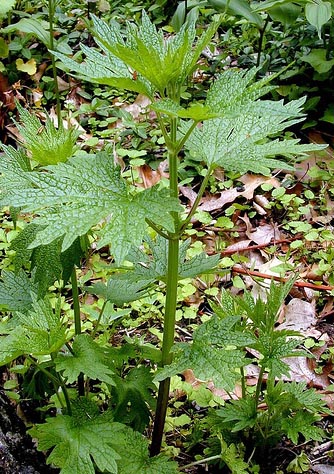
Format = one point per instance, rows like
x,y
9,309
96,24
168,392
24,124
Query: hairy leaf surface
x,y
72,197
88,358
77,442
241,143
157,61
37,332
214,354
17,290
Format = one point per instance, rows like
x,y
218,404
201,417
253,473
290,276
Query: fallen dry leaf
x,y
217,201
151,177
299,315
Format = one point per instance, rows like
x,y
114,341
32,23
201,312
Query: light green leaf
x,y
30,25
318,13
302,423
120,289
196,112
317,59
5,7
29,67
214,354
233,458
36,332
47,144
88,358
72,197
239,143
235,93
146,61
105,69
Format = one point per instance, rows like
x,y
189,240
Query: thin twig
x,y
298,284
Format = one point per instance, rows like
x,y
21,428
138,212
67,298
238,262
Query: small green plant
x,y
85,198
261,416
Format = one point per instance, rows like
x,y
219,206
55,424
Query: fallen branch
x,y
298,284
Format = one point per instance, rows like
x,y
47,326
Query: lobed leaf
x,y
240,143
80,443
157,62
38,331
87,357
214,354
72,197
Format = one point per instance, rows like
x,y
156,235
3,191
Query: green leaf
x,y
78,442
214,354
30,25
155,268
16,291
85,439
231,456
158,62
88,358
305,397
36,332
4,50
72,197
197,112
47,145
276,346
242,412
286,13
120,289
239,8
133,449
29,67
302,423
5,7
105,69
239,141
318,13
318,60
133,398
45,259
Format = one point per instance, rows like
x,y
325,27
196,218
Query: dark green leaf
x,y
87,358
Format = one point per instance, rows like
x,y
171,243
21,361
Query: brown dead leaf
x,y
217,201
301,372
299,315
138,107
151,177
322,469
253,181
265,233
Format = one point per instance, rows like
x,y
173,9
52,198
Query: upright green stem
x,y
77,322
197,200
53,62
170,307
